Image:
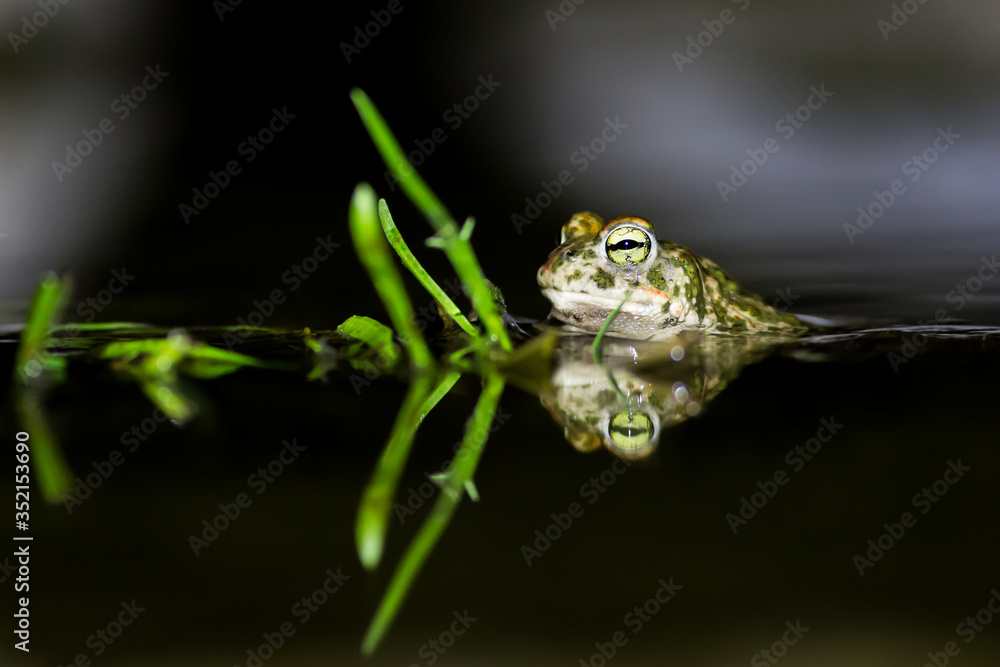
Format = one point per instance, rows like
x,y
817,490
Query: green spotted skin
x,y
672,288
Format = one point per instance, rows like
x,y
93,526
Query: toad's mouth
x,y
643,300
640,303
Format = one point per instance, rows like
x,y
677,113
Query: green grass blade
x,y
599,338
181,349
455,243
372,333
460,253
374,253
375,350
166,395
46,309
529,366
32,359
464,466
52,472
418,271
157,363
376,501
415,188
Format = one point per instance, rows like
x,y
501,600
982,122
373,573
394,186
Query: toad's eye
x,y
628,246
630,431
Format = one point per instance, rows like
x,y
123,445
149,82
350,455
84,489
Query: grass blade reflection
x,y
376,502
455,482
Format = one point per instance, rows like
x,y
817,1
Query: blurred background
x,y
692,108
767,136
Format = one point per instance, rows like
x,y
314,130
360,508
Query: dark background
x,y
782,230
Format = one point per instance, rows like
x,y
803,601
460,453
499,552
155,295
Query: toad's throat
x,y
582,306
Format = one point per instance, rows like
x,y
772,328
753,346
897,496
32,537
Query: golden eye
x,y
630,431
628,246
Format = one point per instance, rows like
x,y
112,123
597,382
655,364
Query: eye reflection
x,y
630,432
638,390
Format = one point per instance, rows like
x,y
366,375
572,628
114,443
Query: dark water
x,y
827,442
906,410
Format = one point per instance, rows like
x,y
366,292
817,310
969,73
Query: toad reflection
x,y
640,388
